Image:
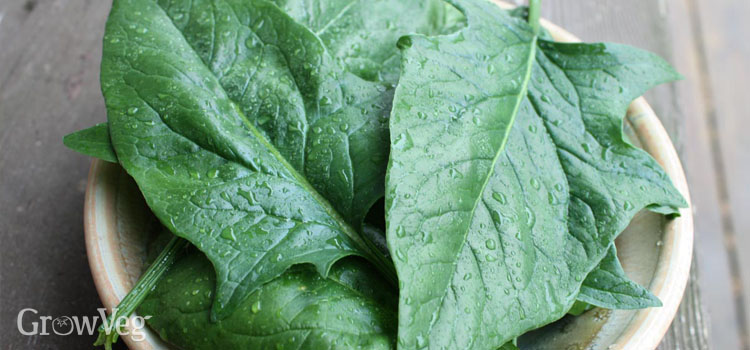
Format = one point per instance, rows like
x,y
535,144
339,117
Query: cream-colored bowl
x,y
655,252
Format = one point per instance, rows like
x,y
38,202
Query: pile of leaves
x,y
373,174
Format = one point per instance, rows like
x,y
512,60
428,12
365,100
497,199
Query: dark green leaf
x,y
193,93
93,142
581,93
363,33
327,123
348,25
491,242
297,310
608,287
508,346
377,237
580,307
453,110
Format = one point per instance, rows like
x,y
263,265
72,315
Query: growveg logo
x,y
30,323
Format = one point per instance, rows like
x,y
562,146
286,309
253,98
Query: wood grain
x,y
721,31
49,86
698,160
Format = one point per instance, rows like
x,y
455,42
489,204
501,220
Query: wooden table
x,y
49,69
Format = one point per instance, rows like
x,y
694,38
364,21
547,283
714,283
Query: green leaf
x,y
581,93
328,123
362,34
580,307
508,346
237,126
454,19
608,287
493,241
297,310
93,142
453,110
377,237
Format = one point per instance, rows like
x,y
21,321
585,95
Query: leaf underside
x,y
93,142
580,307
608,287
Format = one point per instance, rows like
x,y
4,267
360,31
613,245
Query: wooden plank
x,y
698,158
49,86
663,27
721,32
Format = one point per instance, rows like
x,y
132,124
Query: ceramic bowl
x,y
654,251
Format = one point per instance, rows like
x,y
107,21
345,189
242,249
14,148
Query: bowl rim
x,y
644,331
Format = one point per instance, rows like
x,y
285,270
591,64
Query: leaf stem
x,y
108,331
534,14
382,262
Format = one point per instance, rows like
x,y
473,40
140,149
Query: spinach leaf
x,y
454,19
580,307
452,116
508,346
491,242
581,93
363,33
608,287
193,93
609,266
377,237
93,142
326,122
590,85
297,310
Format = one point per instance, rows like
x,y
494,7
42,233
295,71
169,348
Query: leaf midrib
x,y
336,18
348,230
521,96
